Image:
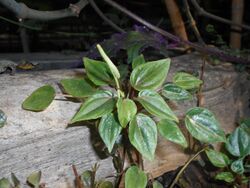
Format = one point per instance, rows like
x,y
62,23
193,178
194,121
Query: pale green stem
x,y
112,68
185,166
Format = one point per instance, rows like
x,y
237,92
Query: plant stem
x,y
185,166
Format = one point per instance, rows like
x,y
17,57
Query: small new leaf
x,y
135,178
170,131
150,75
157,184
186,81
202,125
218,159
143,135
237,166
34,179
96,106
126,109
109,130
40,99
156,105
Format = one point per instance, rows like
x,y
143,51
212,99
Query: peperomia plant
x,y
132,109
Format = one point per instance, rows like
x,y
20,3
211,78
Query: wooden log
x,y
39,141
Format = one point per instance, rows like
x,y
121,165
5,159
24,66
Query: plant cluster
x,y
133,109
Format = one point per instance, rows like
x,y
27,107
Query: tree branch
x,y
209,50
202,12
100,13
24,12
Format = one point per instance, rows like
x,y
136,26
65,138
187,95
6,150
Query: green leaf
x,y
98,72
171,131
126,109
105,184
109,130
237,166
157,184
87,178
77,87
218,159
15,180
111,65
174,92
186,81
203,126
225,176
139,60
143,135
34,179
4,183
135,178
238,143
150,75
156,105
245,125
96,106
40,99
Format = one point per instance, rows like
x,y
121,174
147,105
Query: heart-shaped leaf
x,y
40,99
143,135
126,109
109,130
171,131
237,166
4,183
150,75
156,105
98,72
77,87
203,126
174,92
225,176
96,106
34,179
139,60
135,178
217,158
186,81
238,143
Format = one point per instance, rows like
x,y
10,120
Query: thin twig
x,y
210,50
200,98
78,179
185,166
204,13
